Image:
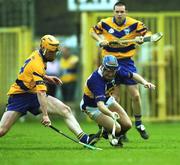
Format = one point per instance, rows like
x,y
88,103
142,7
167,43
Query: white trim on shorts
x,y
94,112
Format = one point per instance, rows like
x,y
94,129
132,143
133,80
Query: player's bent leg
x,y
55,106
107,126
7,121
107,122
136,103
116,93
136,100
124,120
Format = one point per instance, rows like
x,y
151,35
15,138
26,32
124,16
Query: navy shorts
x,y
23,103
128,64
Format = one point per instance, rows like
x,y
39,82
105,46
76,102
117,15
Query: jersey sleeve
x,y
38,74
97,28
97,87
141,29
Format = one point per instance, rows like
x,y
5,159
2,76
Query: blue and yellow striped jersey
x,y
110,30
68,72
30,77
98,89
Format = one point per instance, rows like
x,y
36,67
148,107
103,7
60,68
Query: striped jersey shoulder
x,y
107,20
130,20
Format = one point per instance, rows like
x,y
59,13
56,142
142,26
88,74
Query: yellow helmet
x,y
49,42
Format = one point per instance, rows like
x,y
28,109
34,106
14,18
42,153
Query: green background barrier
x,y
15,46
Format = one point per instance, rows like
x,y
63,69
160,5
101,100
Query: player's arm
x,y
141,31
142,81
96,32
38,75
102,42
125,73
42,98
102,107
52,80
95,36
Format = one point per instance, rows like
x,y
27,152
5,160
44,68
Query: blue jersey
x,y
98,89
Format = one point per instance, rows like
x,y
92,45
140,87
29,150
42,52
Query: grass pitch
x,y
31,143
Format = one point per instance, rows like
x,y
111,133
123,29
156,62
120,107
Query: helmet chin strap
x,y
43,53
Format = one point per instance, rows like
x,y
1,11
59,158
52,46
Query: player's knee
x,y
3,131
136,97
67,111
116,97
128,125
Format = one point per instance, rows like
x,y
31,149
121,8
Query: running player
x,y
28,93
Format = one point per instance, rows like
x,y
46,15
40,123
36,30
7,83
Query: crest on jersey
x,y
111,30
127,31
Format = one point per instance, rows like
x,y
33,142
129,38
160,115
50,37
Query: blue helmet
x,y
110,62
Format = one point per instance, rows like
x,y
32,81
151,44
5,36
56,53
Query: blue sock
x,y
105,134
83,137
137,123
137,120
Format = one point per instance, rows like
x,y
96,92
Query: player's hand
x,y
115,115
139,39
103,43
56,80
149,85
53,80
45,120
117,44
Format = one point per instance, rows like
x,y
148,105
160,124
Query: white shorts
x,y
94,112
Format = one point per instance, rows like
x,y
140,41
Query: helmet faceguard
x,y
110,63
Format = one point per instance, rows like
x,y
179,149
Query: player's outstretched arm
x,y
42,98
53,80
142,81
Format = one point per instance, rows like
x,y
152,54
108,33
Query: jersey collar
x,y
43,58
100,71
114,20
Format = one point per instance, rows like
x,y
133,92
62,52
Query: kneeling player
x,y
98,102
